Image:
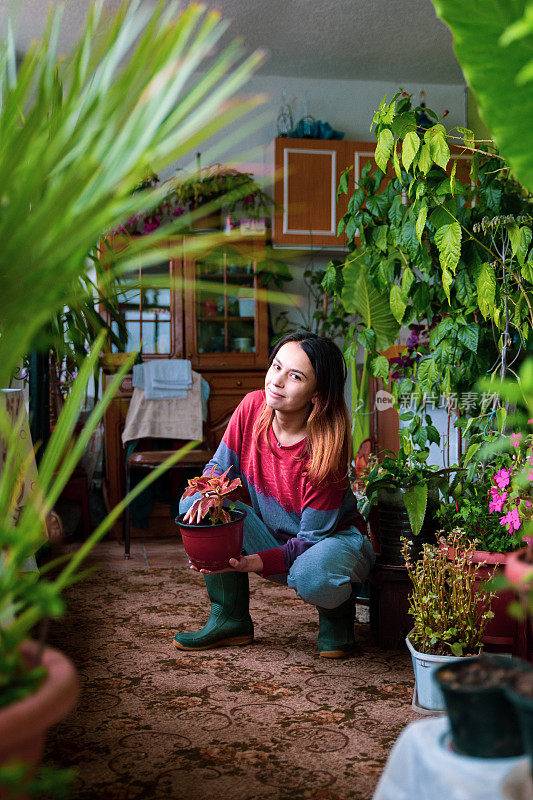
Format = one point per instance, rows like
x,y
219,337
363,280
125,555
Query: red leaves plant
x,y
214,490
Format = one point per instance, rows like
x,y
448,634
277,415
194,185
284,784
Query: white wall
x,y
347,105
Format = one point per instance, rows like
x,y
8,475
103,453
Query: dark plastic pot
x,y
394,525
483,721
524,710
211,546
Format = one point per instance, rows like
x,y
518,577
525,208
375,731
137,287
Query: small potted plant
x,y
449,614
211,543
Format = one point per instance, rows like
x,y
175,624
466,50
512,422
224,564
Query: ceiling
x,y
344,39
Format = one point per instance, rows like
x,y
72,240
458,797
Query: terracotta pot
x,y
212,546
23,724
519,571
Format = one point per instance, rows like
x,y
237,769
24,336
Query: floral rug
x,y
271,720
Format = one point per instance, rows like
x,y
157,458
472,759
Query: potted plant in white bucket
x,y
449,613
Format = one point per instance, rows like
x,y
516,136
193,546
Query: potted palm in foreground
x,y
211,543
77,134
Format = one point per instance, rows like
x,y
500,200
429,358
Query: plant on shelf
x,y
77,134
407,473
212,188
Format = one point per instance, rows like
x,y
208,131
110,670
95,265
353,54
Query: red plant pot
x,y
23,724
502,630
212,546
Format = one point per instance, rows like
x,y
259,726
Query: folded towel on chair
x,y
170,373
167,418
163,378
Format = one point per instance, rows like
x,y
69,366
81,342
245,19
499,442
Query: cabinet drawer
x,y
234,384
125,388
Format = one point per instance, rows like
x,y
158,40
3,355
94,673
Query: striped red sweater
x,y
297,512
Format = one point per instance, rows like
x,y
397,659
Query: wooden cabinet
x,y
307,176
305,191
204,309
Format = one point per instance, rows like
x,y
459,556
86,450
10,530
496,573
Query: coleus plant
x,y
214,490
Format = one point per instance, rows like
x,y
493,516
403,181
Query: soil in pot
x,y
211,546
483,721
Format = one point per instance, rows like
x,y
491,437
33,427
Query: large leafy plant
x,y
77,135
444,243
493,45
375,331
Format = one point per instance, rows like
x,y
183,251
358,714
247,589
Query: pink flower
x,y
528,504
512,519
501,478
530,422
498,500
515,439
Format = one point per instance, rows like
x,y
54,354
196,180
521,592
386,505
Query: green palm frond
x,y
79,134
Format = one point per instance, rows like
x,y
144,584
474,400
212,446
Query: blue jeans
x,y
323,574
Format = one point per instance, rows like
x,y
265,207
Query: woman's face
x,y
290,383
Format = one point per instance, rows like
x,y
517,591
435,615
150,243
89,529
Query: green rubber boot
x,y
336,629
229,622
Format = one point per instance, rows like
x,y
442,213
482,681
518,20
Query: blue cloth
x,y
170,373
163,378
307,129
323,574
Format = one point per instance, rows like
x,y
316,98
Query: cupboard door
x,y
150,309
307,176
225,322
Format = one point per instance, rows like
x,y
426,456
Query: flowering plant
x,y
449,612
510,493
214,490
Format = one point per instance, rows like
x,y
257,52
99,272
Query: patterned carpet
x,y
272,720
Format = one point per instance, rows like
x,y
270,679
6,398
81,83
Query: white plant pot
x,y
427,689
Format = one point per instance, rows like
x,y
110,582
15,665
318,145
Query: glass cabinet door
x,y
146,309
225,304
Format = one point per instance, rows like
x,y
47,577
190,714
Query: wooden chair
x,y
149,460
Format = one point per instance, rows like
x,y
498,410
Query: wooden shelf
x,y
223,319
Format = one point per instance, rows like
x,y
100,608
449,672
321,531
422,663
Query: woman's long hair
x,y
328,424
